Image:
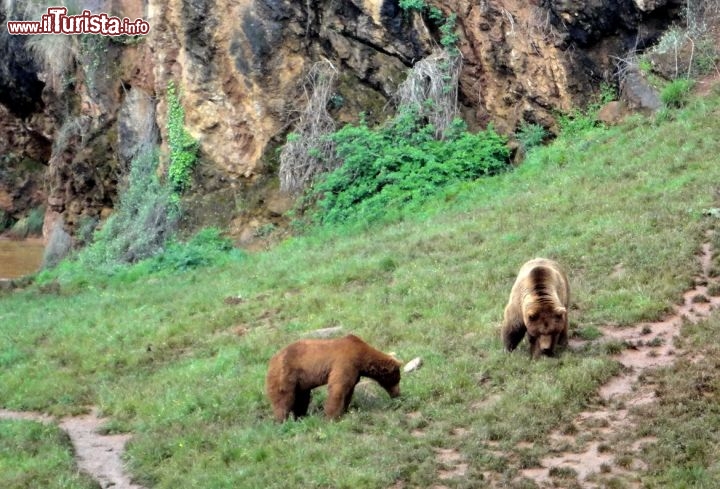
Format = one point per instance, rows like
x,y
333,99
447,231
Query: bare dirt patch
x,y
602,453
98,455
452,462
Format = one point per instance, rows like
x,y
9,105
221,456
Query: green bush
x,y
578,122
402,162
183,147
448,37
530,135
412,4
207,247
675,93
445,24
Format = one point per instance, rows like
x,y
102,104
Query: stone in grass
x,y
325,332
413,364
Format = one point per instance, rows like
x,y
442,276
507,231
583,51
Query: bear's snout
x,y
394,390
546,344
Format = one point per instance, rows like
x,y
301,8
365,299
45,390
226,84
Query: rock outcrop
x,y
240,67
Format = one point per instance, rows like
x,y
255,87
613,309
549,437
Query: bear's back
x,y
541,277
310,361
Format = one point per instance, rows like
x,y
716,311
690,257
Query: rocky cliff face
x,y
240,67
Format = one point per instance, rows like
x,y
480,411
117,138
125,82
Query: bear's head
x,y
390,377
544,322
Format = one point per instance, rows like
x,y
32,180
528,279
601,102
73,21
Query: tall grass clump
x,y
144,219
675,93
207,247
30,225
530,135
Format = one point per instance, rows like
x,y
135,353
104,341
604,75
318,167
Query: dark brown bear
x,y
538,305
301,366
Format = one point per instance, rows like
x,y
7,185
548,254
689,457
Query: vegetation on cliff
x,y
397,167
183,147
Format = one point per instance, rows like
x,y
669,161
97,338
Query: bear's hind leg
x,y
302,401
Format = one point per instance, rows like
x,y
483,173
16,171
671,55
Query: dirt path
x,y
602,453
96,454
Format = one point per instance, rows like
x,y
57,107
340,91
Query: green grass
x,y
37,455
159,356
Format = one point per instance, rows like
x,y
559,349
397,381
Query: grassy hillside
x,y
169,359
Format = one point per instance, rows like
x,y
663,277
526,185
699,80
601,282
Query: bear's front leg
x,y
340,390
562,338
282,405
512,335
534,346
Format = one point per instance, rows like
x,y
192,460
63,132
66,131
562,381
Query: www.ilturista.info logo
x,y
57,21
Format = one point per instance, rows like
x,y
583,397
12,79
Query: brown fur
x,y
538,305
301,366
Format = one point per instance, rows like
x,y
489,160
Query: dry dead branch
x,y
308,150
432,85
